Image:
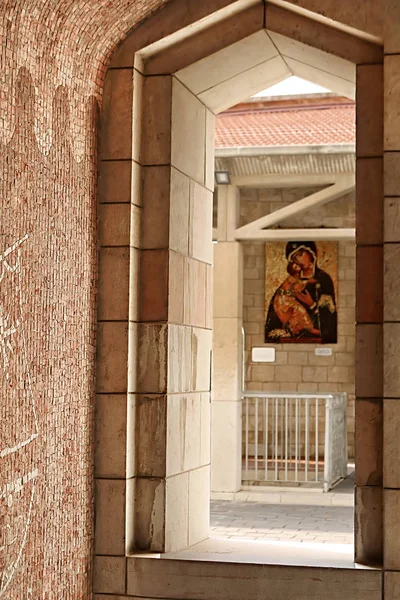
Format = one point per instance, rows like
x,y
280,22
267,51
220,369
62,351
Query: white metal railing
x,y
295,437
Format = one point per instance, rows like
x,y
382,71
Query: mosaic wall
x,y
47,304
53,57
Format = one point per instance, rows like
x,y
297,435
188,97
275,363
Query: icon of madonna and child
x,y
300,299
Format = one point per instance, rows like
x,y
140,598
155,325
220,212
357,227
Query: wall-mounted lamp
x,y
222,178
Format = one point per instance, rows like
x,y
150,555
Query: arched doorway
x,y
154,337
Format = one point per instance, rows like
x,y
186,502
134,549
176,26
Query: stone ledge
x,y
206,571
280,495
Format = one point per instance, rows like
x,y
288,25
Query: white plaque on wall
x,y
323,351
263,355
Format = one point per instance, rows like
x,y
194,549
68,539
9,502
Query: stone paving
x,y
279,522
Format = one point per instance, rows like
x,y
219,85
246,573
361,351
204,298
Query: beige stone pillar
x,y
391,403
369,314
226,423
172,436
154,322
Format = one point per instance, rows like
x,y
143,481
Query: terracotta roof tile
x,y
287,126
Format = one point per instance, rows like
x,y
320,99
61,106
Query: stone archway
x,y
154,331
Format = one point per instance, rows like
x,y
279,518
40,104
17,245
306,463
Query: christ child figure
x,y
292,299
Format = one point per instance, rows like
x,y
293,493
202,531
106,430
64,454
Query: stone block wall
x,y
297,368
154,328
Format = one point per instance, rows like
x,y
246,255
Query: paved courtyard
x,y
281,522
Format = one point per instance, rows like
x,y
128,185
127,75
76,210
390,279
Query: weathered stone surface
x,y
109,574
392,219
391,440
110,517
176,288
392,585
114,224
184,432
116,133
369,199
201,359
156,121
112,357
110,441
369,110
152,358
149,519
156,207
180,353
391,363
391,172
195,293
391,289
151,449
115,180
113,302
368,528
179,212
369,281
226,581
369,361
391,103
199,494
368,442
226,455
391,546
154,275
177,512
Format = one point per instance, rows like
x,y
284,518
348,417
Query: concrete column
x,y
226,423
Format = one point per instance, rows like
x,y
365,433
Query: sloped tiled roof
x,y
286,125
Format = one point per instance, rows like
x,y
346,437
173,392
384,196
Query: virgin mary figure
x,y
303,308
